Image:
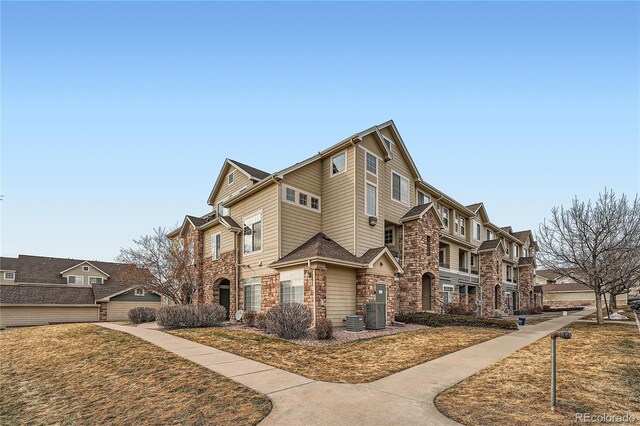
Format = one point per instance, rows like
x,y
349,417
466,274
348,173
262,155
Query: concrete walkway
x,y
402,398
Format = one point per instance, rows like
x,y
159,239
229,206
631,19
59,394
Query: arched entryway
x,y
224,299
427,280
496,297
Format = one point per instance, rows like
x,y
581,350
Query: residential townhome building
x,y
352,224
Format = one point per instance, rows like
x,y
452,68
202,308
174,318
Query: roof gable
x,y
319,247
491,245
419,211
252,173
8,263
371,256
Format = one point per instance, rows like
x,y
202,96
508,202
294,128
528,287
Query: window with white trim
x,y
222,211
315,203
445,216
75,279
389,235
251,288
448,293
231,177
96,280
292,286
489,235
507,247
290,195
371,202
10,276
509,273
516,250
476,230
372,163
139,291
302,199
215,246
252,231
85,268
339,163
387,143
456,222
463,225
423,198
400,188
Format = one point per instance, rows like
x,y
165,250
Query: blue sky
x,y
116,117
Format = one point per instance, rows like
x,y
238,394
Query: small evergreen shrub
x,y
141,315
458,309
289,320
324,329
443,320
191,316
249,318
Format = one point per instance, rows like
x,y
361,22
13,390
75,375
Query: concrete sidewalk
x,y
402,398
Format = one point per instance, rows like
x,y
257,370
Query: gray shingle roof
x,y
46,270
525,261
197,221
565,287
8,263
489,245
252,171
415,211
521,235
371,254
230,221
46,294
319,246
474,207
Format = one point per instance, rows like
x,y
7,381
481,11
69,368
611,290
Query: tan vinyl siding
x,y
38,315
119,311
226,239
393,209
338,202
341,294
576,296
383,267
368,236
265,200
93,272
241,180
301,223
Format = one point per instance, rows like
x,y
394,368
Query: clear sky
x,y
116,117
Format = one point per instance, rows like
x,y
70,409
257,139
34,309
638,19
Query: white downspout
x,y
235,248
313,272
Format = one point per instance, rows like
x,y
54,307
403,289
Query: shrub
x,y
324,329
261,321
141,315
249,318
458,309
191,316
443,320
535,310
289,320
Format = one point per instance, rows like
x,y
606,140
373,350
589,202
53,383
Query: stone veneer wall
x,y
416,262
103,311
525,286
269,292
366,292
195,236
490,276
321,290
214,271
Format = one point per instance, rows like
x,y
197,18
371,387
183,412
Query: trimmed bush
x,y
458,309
324,329
443,320
191,316
261,321
141,315
289,320
249,318
535,310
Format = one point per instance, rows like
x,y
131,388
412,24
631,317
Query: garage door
x,y
119,311
38,315
341,294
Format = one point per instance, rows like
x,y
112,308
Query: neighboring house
x,y
561,291
353,224
42,290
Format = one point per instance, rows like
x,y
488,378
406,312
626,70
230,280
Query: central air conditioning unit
x,y
375,315
355,323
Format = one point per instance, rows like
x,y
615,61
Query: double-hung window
x,y
476,230
456,222
463,228
215,246
252,294
507,245
372,163
400,188
445,216
252,231
371,205
423,198
339,163
516,250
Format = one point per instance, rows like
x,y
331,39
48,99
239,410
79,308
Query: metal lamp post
x,y
554,336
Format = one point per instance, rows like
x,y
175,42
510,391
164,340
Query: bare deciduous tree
x,y
593,244
173,274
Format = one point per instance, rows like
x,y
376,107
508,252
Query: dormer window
x,y
139,291
231,177
75,279
85,269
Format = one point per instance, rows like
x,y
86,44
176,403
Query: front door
x,y
426,292
224,296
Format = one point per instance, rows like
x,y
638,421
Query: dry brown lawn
x,y
598,372
70,374
625,310
354,362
